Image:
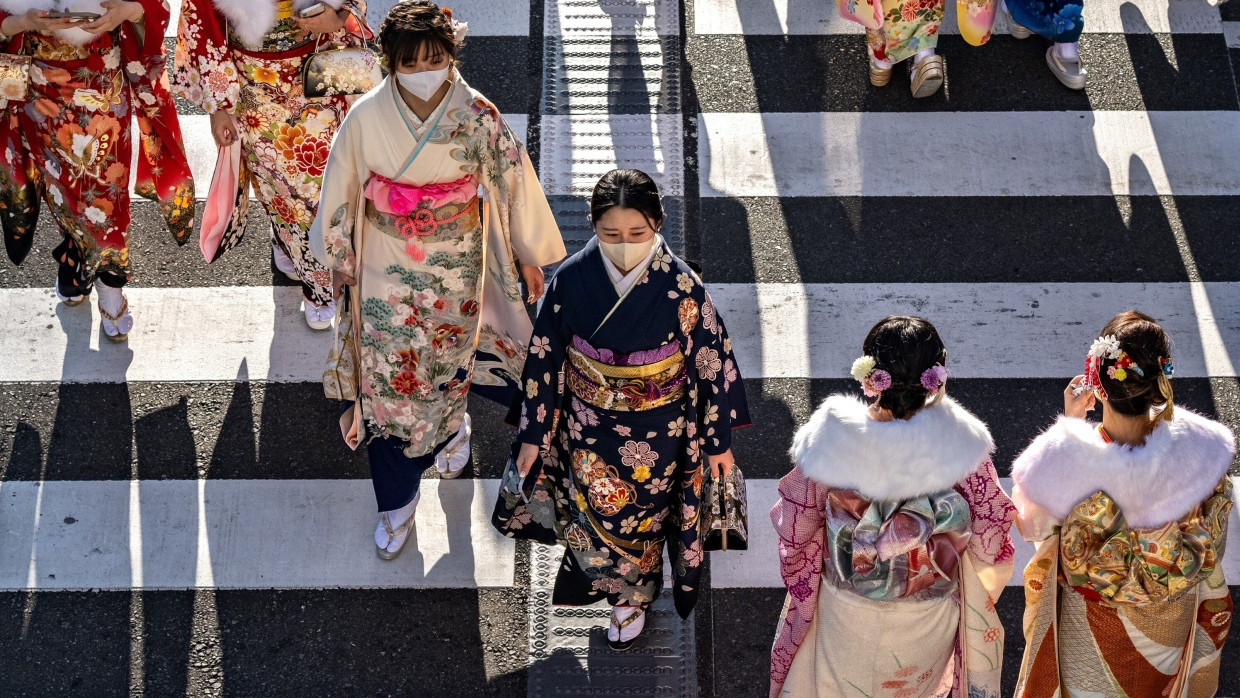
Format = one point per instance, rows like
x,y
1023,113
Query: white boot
x,y
451,461
394,528
114,313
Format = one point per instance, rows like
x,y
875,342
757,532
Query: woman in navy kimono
x,y
630,390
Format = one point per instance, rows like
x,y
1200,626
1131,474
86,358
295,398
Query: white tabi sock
x,y
631,630
455,455
885,65
396,518
1067,51
110,299
923,55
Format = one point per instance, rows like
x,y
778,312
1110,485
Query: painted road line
x,y
994,330
758,566
242,534
200,148
1003,154
1231,30
821,17
570,18
578,149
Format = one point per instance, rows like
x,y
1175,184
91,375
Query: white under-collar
x,y
623,282
841,446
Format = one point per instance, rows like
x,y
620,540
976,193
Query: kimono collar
x,y
1179,465
930,452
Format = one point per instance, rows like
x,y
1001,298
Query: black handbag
x,y
724,523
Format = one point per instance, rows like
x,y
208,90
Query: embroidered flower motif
x,y
638,453
539,346
641,473
684,282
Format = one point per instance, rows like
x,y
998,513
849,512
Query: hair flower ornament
x,y
1105,347
459,29
932,378
873,380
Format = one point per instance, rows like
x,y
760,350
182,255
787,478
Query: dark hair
x,y
627,189
1145,342
414,27
904,346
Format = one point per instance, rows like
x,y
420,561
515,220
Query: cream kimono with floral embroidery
x,y
441,307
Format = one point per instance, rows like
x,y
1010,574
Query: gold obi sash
x,y
627,388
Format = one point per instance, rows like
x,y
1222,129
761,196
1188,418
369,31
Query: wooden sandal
x,y
106,317
622,645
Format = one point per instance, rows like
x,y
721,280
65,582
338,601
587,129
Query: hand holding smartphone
x,y
75,17
314,10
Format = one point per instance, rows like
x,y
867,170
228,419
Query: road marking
x,y
250,534
1107,153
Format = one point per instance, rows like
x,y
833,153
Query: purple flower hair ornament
x,y
932,378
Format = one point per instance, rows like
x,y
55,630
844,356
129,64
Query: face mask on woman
x,y
626,255
423,85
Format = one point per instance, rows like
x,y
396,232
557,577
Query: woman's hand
x,y
325,22
1075,405
526,458
534,281
34,21
118,12
224,128
722,464
339,281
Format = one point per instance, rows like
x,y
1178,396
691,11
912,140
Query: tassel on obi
x,y
416,210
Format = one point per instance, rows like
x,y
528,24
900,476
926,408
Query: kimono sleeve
x,y
543,367
992,514
331,234
531,227
203,71
721,393
799,522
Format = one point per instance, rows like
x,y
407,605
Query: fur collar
x,y
252,19
1179,466
74,36
936,448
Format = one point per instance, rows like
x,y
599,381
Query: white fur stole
x,y
1179,465
252,19
930,452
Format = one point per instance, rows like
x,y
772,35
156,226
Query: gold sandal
x,y
403,529
620,625
927,76
879,77
115,320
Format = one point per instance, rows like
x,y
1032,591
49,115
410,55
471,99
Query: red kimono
x,y
70,144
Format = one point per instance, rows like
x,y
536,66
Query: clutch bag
x,y
725,514
14,77
340,72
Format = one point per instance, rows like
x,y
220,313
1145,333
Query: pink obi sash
x,y
414,208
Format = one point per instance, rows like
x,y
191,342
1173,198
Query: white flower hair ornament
x,y
873,380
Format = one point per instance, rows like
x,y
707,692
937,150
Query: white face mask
x,y
425,84
626,255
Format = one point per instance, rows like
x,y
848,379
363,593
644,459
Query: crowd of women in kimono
x,y
67,141
240,61
894,544
429,206
900,30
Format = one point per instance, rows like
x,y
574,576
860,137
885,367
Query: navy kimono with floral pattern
x,y
1057,20
625,412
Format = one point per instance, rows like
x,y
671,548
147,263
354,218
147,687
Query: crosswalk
x,y
183,500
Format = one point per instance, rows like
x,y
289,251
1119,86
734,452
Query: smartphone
x,y
313,11
75,16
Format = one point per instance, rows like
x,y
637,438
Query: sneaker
x,y
1071,72
319,317
283,262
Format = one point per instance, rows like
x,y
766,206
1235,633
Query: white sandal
x,y
451,461
116,327
1071,73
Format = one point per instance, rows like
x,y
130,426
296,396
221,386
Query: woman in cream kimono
x,y
240,61
1125,596
893,536
426,178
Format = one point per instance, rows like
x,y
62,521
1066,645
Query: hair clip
x,y
932,378
873,380
1168,368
